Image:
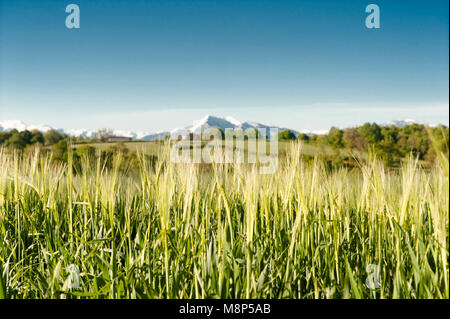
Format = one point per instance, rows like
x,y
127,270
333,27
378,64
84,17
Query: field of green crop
x,y
156,147
222,231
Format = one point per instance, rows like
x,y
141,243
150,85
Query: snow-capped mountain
x,y
210,121
198,126
78,132
10,125
230,122
400,123
222,123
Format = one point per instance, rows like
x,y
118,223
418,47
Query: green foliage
x,y
353,140
59,151
119,147
390,143
86,151
20,140
303,137
335,137
52,137
286,135
37,137
180,231
4,136
370,132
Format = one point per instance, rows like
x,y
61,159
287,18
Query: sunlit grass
x,y
156,147
195,231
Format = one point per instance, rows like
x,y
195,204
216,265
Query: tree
x,y
353,140
103,134
370,132
335,137
388,148
286,135
26,136
60,151
18,141
52,137
86,151
303,137
4,137
37,137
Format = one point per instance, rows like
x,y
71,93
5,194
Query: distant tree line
x,y
57,145
26,139
390,143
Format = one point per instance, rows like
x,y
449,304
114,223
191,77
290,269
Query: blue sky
x,y
155,65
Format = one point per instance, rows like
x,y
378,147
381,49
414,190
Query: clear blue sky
x,y
152,65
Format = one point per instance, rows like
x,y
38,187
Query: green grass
x,y
156,147
183,231
150,148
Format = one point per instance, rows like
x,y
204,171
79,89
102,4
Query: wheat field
x,y
223,230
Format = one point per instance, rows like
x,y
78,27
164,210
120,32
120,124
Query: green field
x,y
156,147
222,231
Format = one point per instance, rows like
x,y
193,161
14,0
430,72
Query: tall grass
x,y
222,231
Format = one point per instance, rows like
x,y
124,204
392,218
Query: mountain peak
x,y
13,124
401,123
233,121
199,126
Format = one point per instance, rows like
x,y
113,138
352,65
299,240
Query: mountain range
x,y
199,126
